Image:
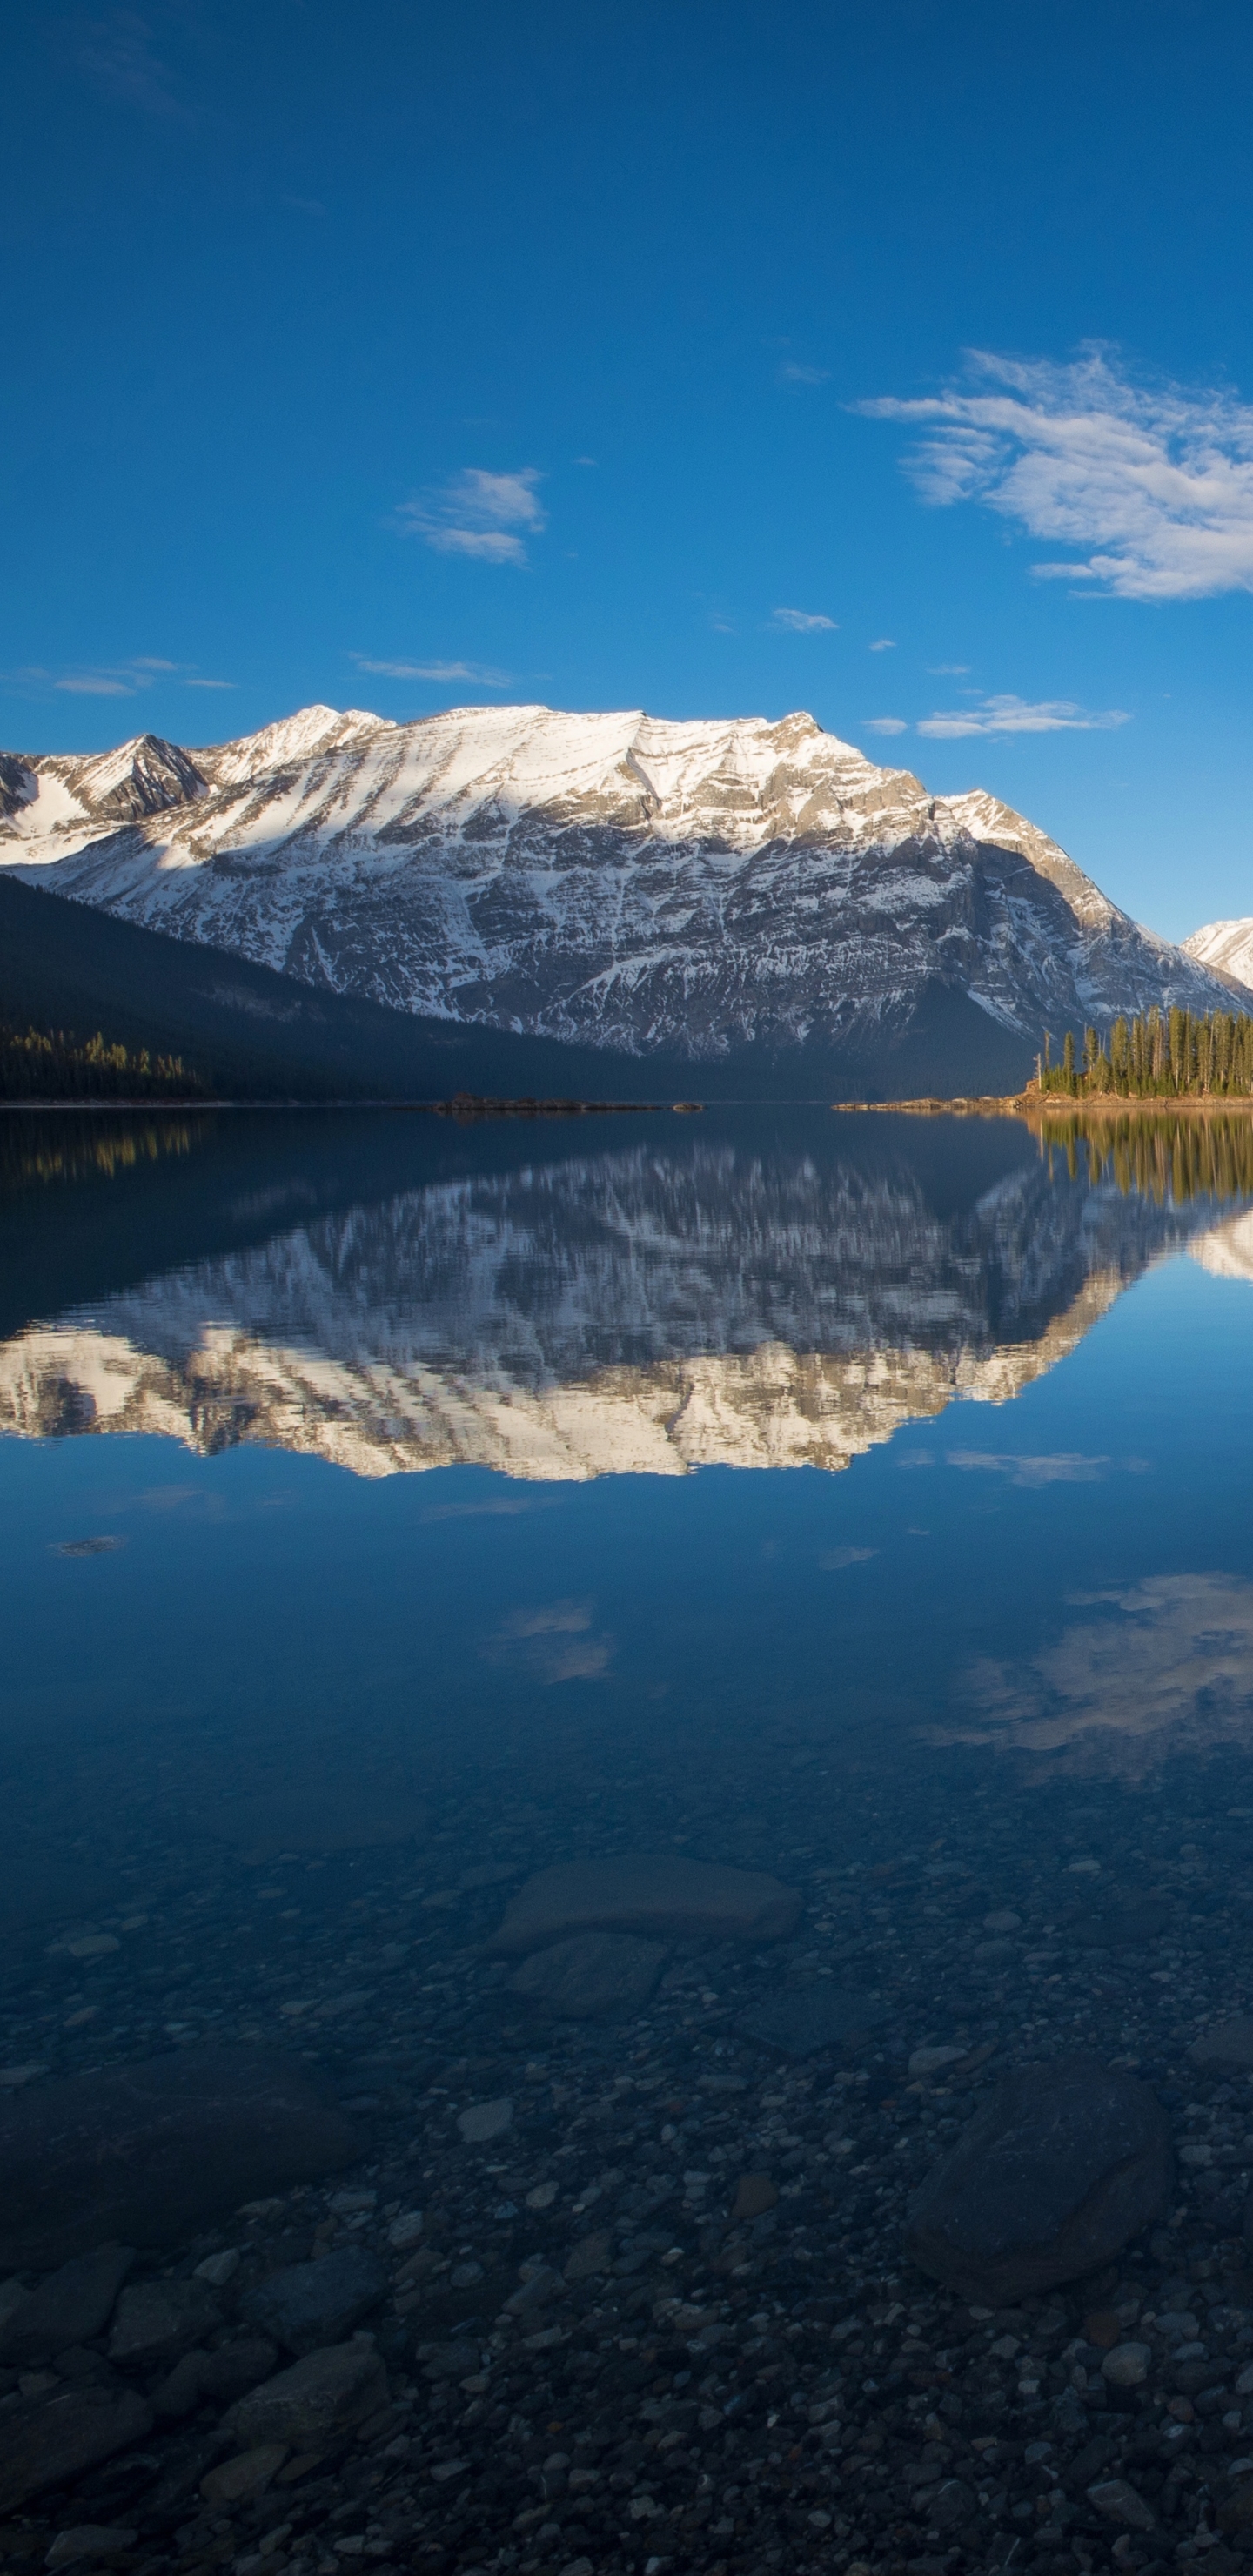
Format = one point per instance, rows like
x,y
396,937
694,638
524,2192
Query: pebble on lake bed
x,y
484,2120
656,1893
89,2540
754,2195
1059,2169
599,1973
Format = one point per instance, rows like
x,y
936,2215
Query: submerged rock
x,y
151,2151
1226,2043
597,1973
652,1893
70,2308
225,2374
319,2396
70,2433
308,2305
90,2540
1061,2167
799,2020
755,2193
157,2319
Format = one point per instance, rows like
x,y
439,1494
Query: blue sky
x,y
620,356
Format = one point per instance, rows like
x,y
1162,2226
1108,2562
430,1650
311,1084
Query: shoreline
x,y
1032,1106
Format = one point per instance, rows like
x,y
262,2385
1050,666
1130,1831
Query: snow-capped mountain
x,y
1226,945
697,889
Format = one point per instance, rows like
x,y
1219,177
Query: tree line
x,y
52,1064
1162,1055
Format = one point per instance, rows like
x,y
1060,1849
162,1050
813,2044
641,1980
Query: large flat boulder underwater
x,y
1059,2169
147,2153
660,1895
598,1973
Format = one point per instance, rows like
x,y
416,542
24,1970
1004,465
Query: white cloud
x,y
948,670
793,374
1015,715
886,724
1153,486
124,678
801,621
441,671
478,514
883,644
95,684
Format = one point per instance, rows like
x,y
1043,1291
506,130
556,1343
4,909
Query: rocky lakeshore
x,y
592,2238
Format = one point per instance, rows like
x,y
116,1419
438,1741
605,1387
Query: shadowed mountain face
x,y
688,1299
717,894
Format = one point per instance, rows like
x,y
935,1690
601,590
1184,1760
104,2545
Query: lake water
x,y
393,1510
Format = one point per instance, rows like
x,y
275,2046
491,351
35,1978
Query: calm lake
x,y
394,1510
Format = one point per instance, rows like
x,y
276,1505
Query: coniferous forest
x,y
52,1064
1164,1055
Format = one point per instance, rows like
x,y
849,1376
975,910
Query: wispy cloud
x,y
478,514
792,373
803,621
882,644
1015,715
438,671
117,54
1153,485
886,724
947,670
95,684
116,680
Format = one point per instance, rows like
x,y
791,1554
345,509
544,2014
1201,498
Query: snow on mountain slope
x,y
604,878
1226,945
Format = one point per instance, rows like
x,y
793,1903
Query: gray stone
x,y
484,2120
1227,2043
801,2019
309,2305
1058,2170
157,2319
1128,2365
247,2475
318,2397
1123,1927
598,1973
659,1894
222,2375
64,2436
1120,2503
149,2152
953,2502
89,2540
71,2307
932,2061
590,2256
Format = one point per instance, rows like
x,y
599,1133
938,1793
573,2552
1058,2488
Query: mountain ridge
x,y
700,891
1226,946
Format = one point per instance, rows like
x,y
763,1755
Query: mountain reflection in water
x,y
671,1300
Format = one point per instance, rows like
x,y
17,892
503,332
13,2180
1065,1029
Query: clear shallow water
x,y
391,1511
